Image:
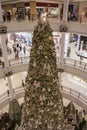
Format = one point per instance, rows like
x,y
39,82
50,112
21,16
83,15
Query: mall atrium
x,y
20,23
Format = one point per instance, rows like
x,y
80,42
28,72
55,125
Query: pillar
x,y
81,46
81,11
78,42
33,13
59,10
4,51
65,10
0,13
6,63
65,14
67,38
62,48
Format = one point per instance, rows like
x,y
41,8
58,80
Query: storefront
x,y
73,10
84,14
50,8
21,9
83,43
22,37
82,47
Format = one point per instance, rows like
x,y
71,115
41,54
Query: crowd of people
x,y
72,117
6,16
17,48
5,122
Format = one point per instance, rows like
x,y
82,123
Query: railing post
x,y
70,91
64,61
75,63
79,95
85,67
61,88
21,60
9,63
58,59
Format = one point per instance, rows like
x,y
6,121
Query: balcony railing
x,y
75,63
74,93
19,93
66,61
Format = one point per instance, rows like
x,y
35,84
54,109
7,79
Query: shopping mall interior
x,y
68,21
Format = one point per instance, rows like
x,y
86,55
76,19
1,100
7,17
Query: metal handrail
x,y
75,63
78,95
74,93
66,61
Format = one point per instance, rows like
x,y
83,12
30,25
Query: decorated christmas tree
x,y
43,107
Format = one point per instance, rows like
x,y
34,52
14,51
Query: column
x,y
81,46
0,12
59,11
65,10
78,42
80,12
67,38
6,63
33,12
4,51
62,48
65,13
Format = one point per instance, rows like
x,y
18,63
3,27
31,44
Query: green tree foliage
x,y
43,108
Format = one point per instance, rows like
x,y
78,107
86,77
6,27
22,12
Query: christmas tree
x,y
43,107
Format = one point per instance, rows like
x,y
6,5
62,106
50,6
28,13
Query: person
x,y
80,19
2,64
17,54
24,50
39,14
8,92
4,17
81,58
8,16
29,15
69,16
20,47
23,83
68,52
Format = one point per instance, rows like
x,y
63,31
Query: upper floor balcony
x,y
28,26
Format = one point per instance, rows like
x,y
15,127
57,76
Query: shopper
x,y
24,50
23,83
3,65
29,15
8,92
4,17
80,19
20,47
17,54
68,52
39,15
81,58
8,16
